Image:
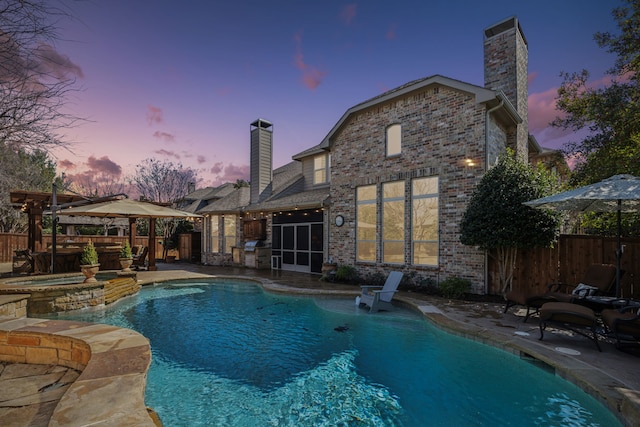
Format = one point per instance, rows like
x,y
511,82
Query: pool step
x,y
120,287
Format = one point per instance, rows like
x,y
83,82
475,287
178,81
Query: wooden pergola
x,y
33,203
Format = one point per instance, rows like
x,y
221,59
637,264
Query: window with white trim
x,y
230,233
366,223
393,199
424,217
214,234
320,169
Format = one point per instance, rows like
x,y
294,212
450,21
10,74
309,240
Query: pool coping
x,y
113,363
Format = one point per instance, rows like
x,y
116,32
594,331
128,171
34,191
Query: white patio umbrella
x,y
619,193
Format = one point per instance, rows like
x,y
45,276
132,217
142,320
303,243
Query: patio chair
x,y
139,261
624,324
573,317
599,279
379,297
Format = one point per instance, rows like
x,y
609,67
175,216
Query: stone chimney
x,y
506,60
261,165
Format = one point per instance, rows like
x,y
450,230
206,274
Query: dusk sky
x,y
182,81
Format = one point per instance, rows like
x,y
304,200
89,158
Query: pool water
x,y
227,353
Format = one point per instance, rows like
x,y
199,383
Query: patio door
x,y
299,245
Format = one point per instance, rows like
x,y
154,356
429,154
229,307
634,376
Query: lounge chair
x,y
624,324
139,261
599,279
573,317
379,297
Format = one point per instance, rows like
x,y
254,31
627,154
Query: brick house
x,y
386,188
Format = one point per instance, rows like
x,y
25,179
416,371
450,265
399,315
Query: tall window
x,y
366,223
229,233
394,140
424,200
214,234
393,222
320,170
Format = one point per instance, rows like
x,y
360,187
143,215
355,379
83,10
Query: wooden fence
x,y
568,261
11,242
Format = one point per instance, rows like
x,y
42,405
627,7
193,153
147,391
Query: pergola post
x,y
152,245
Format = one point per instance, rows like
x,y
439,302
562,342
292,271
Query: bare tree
x,y
35,79
163,182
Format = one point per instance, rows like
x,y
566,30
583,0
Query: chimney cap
x,y
262,123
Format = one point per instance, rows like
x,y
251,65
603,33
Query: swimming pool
x,y
231,354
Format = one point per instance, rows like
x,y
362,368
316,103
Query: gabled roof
x,y
482,95
232,202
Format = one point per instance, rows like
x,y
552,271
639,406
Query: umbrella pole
x,y
618,250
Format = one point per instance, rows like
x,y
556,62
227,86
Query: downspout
x,y
486,168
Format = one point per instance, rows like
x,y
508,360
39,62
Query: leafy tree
x,y
610,114
496,220
22,170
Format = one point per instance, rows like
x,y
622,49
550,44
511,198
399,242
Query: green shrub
x,y
424,285
455,287
346,273
125,252
89,255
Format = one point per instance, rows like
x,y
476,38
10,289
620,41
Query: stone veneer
x,y
441,127
54,298
113,361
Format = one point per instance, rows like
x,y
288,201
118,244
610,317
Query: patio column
x,y
152,245
132,232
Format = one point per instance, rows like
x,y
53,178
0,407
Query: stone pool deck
x,y
611,376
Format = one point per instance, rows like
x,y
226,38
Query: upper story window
x,y
320,169
394,140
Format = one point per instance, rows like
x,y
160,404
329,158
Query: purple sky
x,y
182,81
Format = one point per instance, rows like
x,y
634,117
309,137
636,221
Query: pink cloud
x,y
217,168
104,165
391,32
532,76
166,137
311,76
168,153
154,115
348,13
67,164
201,159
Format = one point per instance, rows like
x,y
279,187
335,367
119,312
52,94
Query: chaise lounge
x,y
624,324
599,279
573,317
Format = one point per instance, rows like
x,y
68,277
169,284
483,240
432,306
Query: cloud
x,y
217,168
154,115
391,32
166,137
56,64
67,164
542,109
348,13
201,159
228,173
104,165
311,76
168,153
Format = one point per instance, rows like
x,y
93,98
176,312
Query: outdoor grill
x,y
251,245
256,255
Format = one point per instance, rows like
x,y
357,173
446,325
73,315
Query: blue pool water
x,y
227,353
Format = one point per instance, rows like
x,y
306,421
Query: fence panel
x,y
568,261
